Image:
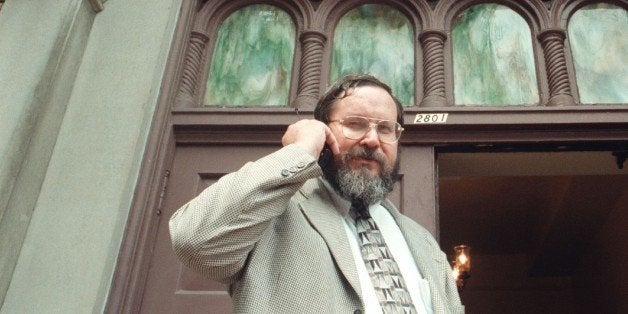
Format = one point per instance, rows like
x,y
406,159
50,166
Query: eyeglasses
x,y
355,127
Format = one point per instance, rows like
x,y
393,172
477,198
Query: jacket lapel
x,y
425,256
319,210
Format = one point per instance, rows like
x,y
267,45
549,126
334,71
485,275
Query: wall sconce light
x,y
461,265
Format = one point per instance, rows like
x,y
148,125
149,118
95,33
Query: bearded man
x,y
308,228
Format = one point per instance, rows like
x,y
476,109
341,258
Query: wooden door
x,y
172,288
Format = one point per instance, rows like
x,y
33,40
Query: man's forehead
x,y
359,99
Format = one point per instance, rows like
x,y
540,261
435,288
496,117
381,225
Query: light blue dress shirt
x,y
417,286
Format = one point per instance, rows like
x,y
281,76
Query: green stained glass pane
x,y
252,61
377,40
597,36
493,59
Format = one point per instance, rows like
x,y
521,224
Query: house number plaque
x,y
428,118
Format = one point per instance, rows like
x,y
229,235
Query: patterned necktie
x,y
385,275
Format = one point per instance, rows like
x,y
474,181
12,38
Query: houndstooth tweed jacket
x,y
270,231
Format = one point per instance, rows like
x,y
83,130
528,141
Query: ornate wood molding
x,y
312,45
553,42
433,42
191,67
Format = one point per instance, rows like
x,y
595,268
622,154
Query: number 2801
x,y
430,118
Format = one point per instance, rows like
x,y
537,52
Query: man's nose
x,y
371,138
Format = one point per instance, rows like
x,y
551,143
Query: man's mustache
x,y
366,153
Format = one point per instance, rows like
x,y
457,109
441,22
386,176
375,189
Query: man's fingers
x,y
310,135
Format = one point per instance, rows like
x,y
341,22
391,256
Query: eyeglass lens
x,y
356,127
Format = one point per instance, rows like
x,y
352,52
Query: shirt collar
x,y
340,203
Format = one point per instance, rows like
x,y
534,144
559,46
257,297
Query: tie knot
x,y
360,209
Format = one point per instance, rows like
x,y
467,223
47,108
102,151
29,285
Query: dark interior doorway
x,y
548,230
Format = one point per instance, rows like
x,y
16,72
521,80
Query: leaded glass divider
x,y
502,71
493,60
252,62
378,40
599,44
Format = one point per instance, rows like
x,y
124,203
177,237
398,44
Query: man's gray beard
x,y
359,184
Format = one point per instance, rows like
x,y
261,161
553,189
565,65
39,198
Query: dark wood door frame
x,y
558,129
582,126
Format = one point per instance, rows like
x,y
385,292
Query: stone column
x,y
433,42
553,43
312,46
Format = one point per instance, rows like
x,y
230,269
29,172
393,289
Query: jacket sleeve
x,y
214,233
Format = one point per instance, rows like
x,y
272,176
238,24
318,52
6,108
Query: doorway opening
x,y
548,230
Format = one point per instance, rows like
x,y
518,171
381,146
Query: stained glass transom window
x,y
377,40
252,61
493,60
599,44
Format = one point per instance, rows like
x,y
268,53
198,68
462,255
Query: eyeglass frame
x,y
373,124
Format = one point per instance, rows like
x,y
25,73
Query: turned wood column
x,y
312,46
553,43
433,42
191,68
